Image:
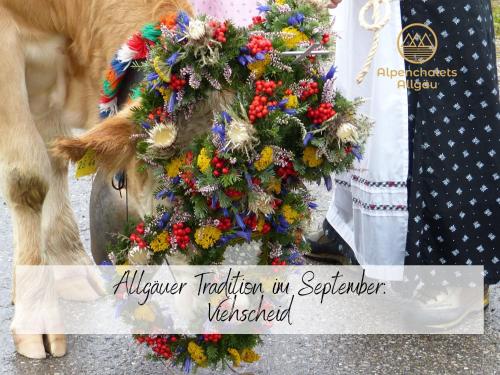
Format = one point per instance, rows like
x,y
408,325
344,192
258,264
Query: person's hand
x,y
334,3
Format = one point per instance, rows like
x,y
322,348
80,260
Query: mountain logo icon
x,y
417,43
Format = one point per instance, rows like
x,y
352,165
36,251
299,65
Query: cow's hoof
x,y
30,346
55,344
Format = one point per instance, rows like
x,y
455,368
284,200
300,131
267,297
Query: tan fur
x,y
53,56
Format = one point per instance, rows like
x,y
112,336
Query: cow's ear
x,y
111,140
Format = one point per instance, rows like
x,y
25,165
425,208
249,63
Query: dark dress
x,y
454,176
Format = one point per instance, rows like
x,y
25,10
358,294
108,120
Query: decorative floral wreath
x,y
244,180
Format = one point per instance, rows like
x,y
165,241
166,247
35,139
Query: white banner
x,y
246,300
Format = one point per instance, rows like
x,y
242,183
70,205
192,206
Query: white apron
x,y
369,209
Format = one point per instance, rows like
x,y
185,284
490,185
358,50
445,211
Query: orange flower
x,y
169,20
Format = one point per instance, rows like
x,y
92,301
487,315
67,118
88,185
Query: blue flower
x,y
296,19
162,224
145,125
356,151
182,20
249,180
226,117
246,235
241,59
214,201
220,131
172,102
162,194
173,59
330,74
152,76
282,225
312,205
260,56
308,138
240,222
263,8
283,103
328,182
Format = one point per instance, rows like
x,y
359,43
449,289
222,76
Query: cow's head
x,y
114,145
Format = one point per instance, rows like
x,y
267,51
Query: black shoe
x,y
329,247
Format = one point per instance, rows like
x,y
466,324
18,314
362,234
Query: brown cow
x,y
53,54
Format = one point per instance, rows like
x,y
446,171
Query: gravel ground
x,y
282,355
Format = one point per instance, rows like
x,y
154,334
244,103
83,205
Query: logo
x,y
417,43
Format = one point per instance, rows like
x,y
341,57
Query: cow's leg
x,y
24,162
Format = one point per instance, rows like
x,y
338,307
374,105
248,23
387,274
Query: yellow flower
x,y
260,224
160,243
280,2
274,185
265,160
197,354
293,37
293,101
203,160
290,214
259,66
144,313
207,236
166,93
235,356
173,168
310,157
162,69
249,356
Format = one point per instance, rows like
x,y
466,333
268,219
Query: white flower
x,y
240,134
162,135
196,30
261,202
348,133
138,256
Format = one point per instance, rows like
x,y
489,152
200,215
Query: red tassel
x,y
138,44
